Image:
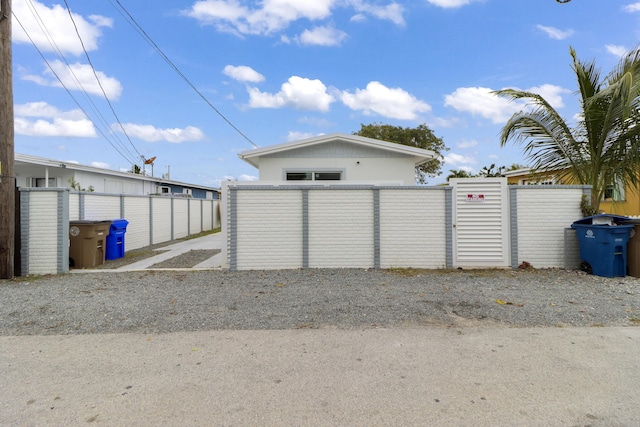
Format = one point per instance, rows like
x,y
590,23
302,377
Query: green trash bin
x,y
87,240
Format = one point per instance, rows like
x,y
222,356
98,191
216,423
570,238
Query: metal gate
x,y
480,223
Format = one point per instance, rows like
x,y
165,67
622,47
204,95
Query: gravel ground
x,y
170,301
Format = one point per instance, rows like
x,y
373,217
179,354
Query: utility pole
x,y
7,175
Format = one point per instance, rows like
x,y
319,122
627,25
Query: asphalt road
x,y
408,376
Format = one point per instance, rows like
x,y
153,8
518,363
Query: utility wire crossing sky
x,y
111,83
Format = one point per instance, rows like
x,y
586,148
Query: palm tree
x,y
604,146
459,173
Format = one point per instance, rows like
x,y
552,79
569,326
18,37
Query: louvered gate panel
x,y
480,223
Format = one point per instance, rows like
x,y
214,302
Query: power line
x,y
125,13
128,159
98,80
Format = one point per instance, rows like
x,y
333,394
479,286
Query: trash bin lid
x,y
119,223
593,220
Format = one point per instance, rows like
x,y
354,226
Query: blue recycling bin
x,y
115,239
603,246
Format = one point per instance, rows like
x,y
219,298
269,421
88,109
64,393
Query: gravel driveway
x,y
170,301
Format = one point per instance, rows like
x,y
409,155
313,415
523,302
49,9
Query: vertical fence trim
x,y
376,228
63,230
233,229
25,231
81,206
305,228
448,207
513,225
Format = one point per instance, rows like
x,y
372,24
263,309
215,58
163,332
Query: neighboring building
x,y
32,171
619,199
338,157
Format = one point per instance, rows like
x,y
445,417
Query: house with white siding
x,y
338,157
33,171
344,201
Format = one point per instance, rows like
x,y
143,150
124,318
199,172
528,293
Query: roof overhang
x,y
419,155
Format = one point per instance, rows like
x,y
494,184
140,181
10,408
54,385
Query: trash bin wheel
x,y
586,267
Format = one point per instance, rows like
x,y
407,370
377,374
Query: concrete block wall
x,y
413,226
271,227
279,226
180,218
46,212
44,227
341,228
543,213
161,226
137,210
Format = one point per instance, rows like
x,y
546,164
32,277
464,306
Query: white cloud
x,y
152,134
555,33
50,121
633,7
316,121
42,109
551,93
482,102
467,143
297,92
245,177
395,103
391,12
454,159
102,165
242,73
468,169
56,127
297,136
450,4
616,50
58,27
78,77
322,36
276,15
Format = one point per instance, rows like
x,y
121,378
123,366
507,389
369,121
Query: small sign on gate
x,y
476,198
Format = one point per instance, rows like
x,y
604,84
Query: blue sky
x,y
281,70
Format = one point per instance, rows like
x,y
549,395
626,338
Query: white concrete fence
x,y
45,214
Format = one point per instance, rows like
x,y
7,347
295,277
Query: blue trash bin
x,y
115,239
603,246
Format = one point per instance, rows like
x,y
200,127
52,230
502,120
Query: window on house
x,y
314,176
614,192
42,182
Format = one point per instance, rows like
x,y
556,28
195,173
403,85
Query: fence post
x,y
513,227
376,228
172,220
150,220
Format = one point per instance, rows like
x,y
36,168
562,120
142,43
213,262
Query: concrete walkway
x,y
211,241
208,242
382,377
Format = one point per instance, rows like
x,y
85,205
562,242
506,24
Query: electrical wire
x,y
129,18
98,80
79,84
124,156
